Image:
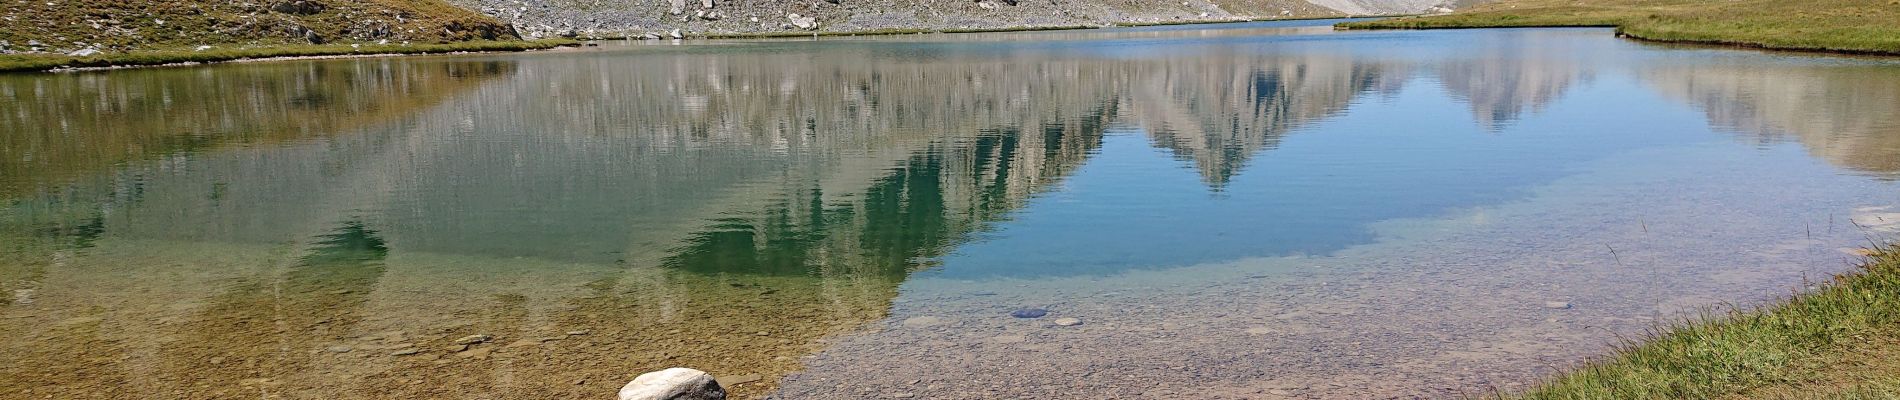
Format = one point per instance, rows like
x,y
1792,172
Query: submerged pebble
x,y
1029,313
922,321
1068,321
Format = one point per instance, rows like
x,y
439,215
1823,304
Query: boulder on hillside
x,y
298,7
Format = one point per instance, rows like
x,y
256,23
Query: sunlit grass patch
x,y
1858,26
1841,340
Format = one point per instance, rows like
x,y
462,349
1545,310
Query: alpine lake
x,y
1248,210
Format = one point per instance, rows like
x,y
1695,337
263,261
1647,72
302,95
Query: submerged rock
x,y
673,384
1556,305
1068,321
473,339
736,380
1029,313
479,354
923,321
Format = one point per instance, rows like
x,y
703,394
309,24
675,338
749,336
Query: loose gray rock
x,y
676,34
673,384
1029,313
1556,305
84,53
298,7
802,22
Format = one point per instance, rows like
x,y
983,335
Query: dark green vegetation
x,y
42,35
1841,341
1849,26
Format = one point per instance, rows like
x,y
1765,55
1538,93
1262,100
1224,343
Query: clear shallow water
x,y
1247,210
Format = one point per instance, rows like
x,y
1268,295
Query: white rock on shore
x,y
673,384
802,22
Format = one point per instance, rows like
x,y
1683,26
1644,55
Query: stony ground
x,y
68,26
86,28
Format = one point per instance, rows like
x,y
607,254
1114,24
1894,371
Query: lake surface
x,y
1258,210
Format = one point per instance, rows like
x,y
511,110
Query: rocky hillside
x,y
615,18
84,27
90,27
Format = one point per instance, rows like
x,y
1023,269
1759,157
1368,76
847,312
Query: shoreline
x,y
1745,45
17,63
1029,28
170,58
1622,33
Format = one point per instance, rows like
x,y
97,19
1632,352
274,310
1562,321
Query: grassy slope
x,y
145,32
1838,342
1860,26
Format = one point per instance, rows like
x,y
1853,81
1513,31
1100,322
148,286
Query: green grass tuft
x,y
1839,341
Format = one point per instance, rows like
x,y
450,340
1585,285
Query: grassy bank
x,y
1841,341
1848,26
38,62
